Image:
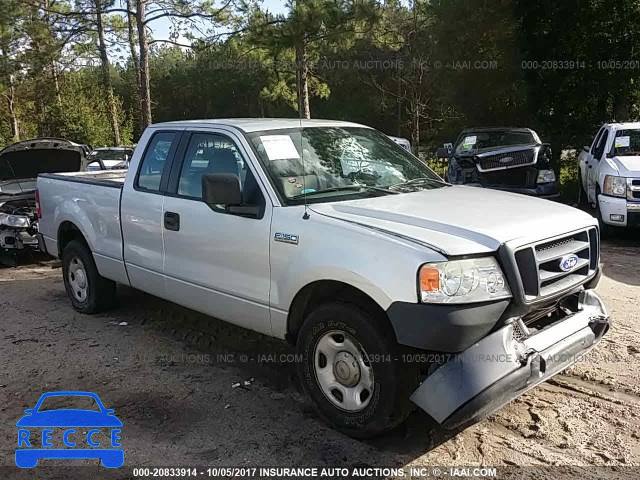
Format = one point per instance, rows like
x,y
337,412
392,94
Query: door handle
x,y
172,221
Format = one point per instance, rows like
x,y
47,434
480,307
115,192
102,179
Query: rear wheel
x,y
88,291
353,372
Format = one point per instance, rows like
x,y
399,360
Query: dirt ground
x,y
166,374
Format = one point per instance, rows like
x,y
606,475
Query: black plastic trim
x,y
446,328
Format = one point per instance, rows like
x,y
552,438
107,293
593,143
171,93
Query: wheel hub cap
x,y
77,277
346,369
342,373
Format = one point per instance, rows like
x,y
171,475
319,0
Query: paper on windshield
x,y
469,141
279,147
622,142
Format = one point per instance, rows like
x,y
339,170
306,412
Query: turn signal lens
x,y
429,279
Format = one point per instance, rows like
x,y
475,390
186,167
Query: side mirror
x,y
221,189
29,410
585,148
224,189
443,152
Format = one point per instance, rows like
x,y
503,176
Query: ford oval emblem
x,y
506,160
568,262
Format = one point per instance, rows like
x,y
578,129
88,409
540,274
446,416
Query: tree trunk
x,y
52,65
13,118
106,76
302,70
137,99
145,89
621,107
11,93
415,126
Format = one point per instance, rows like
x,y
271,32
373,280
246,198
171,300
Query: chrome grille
x,y
504,160
539,264
633,189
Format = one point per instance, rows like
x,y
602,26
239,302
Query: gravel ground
x,y
163,374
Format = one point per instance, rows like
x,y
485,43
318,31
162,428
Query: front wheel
x,y
353,372
88,291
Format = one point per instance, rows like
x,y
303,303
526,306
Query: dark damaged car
x,y
20,165
511,159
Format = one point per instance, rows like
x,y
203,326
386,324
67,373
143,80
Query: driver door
x,y
216,262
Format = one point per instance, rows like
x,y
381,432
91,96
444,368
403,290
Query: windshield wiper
x,y
344,188
418,181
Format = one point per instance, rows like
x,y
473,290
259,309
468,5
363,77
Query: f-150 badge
x,y
287,238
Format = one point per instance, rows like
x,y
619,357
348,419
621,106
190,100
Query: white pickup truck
x,y
395,287
609,175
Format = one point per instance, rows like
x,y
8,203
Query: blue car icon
x,y
75,422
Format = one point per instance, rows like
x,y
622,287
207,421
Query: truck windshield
x,y
470,141
120,155
338,163
626,142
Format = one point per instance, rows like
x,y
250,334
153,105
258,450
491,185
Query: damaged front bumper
x,y
505,364
15,240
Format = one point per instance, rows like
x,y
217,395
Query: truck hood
x,y
29,158
483,152
459,220
628,166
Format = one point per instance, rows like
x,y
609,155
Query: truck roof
x,y
625,125
249,125
490,129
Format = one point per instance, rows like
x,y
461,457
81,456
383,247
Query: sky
x,y
162,27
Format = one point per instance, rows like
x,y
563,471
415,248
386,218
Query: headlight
x,y
616,186
16,221
463,281
546,176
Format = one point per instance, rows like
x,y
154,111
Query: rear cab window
x,y
154,161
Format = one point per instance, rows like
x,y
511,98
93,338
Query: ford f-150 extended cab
x,y
609,175
396,287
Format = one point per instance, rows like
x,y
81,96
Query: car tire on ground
x,y
88,291
351,368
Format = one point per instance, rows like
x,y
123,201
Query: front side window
x,y
214,153
154,160
333,163
601,145
596,141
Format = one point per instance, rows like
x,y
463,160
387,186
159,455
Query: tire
x,y
389,381
88,291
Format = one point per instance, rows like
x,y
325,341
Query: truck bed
x,y
91,201
107,178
